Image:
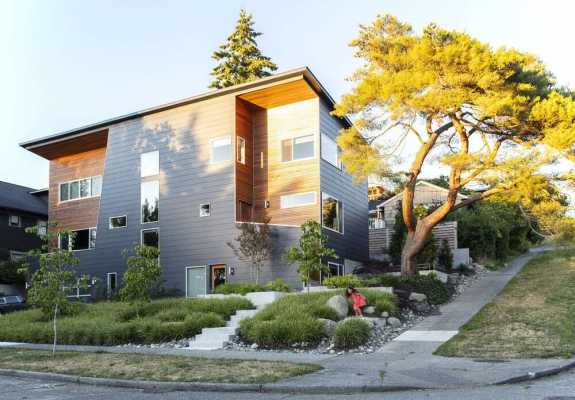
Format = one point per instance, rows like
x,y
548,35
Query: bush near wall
x,y
277,285
435,290
293,319
113,323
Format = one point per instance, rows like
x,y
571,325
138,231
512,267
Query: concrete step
x,y
224,330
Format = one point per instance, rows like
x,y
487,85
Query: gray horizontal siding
x,y
353,243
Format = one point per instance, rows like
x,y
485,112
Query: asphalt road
x,y
561,387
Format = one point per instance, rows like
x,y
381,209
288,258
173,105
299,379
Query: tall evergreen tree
x,y
239,59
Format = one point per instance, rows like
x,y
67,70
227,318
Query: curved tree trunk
x,y
414,243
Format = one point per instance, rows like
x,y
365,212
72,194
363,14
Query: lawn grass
x,y
152,367
115,323
533,317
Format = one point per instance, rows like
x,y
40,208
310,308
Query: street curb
x,y
530,376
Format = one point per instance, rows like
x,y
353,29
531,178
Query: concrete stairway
x,y
216,338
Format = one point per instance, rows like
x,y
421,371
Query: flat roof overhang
x,y
267,92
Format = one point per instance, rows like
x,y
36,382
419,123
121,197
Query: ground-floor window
x,y
111,283
80,239
335,269
218,275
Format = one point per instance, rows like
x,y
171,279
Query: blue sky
x,y
69,63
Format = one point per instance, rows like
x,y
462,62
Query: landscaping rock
x,y
421,308
394,322
385,314
369,310
339,305
328,325
418,297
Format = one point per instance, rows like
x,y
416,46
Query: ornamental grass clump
x,y
351,333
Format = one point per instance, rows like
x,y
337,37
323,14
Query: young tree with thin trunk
x,y
254,246
239,59
493,117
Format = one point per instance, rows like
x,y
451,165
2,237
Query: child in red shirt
x,y
358,300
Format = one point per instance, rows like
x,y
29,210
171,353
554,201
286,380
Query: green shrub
x,y
342,281
284,332
277,285
351,333
382,280
382,301
239,288
435,290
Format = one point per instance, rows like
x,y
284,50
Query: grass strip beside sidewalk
x,y
152,367
533,317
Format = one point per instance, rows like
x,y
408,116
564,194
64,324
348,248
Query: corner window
x,y
118,222
299,148
149,164
81,188
150,201
241,150
81,239
331,213
330,151
205,210
297,200
151,237
14,221
220,149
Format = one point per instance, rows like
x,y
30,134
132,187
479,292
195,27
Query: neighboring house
x,y
20,207
181,175
382,219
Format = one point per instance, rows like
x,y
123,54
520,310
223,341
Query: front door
x,y
195,281
218,274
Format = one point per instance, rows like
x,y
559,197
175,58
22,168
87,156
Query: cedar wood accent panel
x,y
244,172
76,214
278,178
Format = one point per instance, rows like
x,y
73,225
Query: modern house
x,y
20,208
382,220
180,176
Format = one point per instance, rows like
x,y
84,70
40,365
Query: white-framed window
x,y
80,189
120,221
220,149
14,221
150,237
298,148
17,255
111,283
205,210
42,228
150,201
330,151
149,163
298,200
80,239
331,213
241,150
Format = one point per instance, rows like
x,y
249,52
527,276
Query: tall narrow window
x,y
42,228
151,237
150,201
299,148
241,150
96,185
220,149
112,283
64,191
331,213
150,163
244,211
74,190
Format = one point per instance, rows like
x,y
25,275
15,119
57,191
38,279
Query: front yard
x,y
533,317
152,367
115,323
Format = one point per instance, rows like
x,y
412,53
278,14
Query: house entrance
x,y
218,275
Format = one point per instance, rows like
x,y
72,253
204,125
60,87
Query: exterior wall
x,y
353,243
76,214
16,238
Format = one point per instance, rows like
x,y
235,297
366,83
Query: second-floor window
x,y
220,149
149,164
81,239
297,200
241,150
330,151
331,213
150,201
81,188
298,148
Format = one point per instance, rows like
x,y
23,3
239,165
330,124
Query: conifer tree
x,y
239,59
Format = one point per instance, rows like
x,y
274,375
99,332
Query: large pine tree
x,y
239,59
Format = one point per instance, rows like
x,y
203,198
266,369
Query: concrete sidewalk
x,y
406,362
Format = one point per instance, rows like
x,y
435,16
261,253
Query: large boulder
x,y
418,297
328,325
369,310
339,305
